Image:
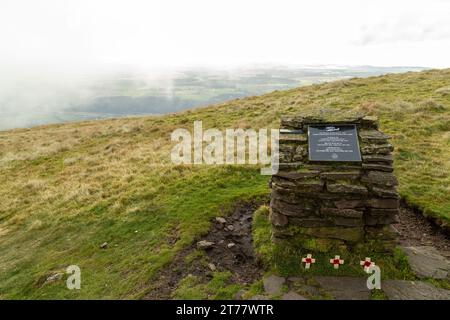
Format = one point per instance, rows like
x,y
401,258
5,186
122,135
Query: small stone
x,y
345,288
230,245
230,227
273,284
54,277
259,297
204,244
278,219
221,220
413,290
104,245
239,295
212,267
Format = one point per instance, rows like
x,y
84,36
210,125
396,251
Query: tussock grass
x,y
66,189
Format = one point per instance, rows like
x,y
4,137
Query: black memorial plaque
x,y
333,143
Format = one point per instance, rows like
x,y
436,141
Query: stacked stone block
x,y
326,205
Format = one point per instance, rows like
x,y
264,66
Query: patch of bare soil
x,y
232,251
416,230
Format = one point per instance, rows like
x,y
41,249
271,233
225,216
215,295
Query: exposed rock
x,y
230,227
345,288
54,277
231,245
292,295
413,290
212,267
221,220
273,284
427,262
204,244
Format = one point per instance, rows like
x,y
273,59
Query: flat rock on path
x,y
345,288
273,284
413,290
292,295
427,262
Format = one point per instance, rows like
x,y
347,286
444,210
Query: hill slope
x,y
66,189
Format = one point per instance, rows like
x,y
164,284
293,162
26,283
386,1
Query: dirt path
x,y
416,230
232,251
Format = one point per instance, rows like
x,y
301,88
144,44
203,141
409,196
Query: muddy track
x,y
416,230
232,251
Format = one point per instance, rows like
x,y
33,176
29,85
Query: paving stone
x,y
427,262
273,284
413,290
345,288
292,295
259,297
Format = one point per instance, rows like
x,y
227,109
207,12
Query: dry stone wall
x,y
324,205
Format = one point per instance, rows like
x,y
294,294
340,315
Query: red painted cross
x,y
367,263
336,261
308,261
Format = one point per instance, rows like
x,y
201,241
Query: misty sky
x,y
170,33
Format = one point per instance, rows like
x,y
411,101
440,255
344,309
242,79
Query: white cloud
x,y
81,33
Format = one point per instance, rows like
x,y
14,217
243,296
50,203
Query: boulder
x,y
427,262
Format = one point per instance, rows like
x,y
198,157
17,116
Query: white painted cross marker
x,y
336,261
367,263
308,261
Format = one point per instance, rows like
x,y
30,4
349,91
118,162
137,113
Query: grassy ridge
x,y
66,189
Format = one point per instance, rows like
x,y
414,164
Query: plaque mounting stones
x,y
333,143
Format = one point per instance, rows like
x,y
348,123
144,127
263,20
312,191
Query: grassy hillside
x,y
66,189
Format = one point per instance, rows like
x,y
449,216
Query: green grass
x,y
191,288
66,189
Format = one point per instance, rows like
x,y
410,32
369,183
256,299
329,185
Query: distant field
x,y
124,94
68,188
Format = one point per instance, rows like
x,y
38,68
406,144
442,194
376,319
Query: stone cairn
x,y
322,206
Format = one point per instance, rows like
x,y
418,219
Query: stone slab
x,y
427,262
273,284
345,288
413,290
